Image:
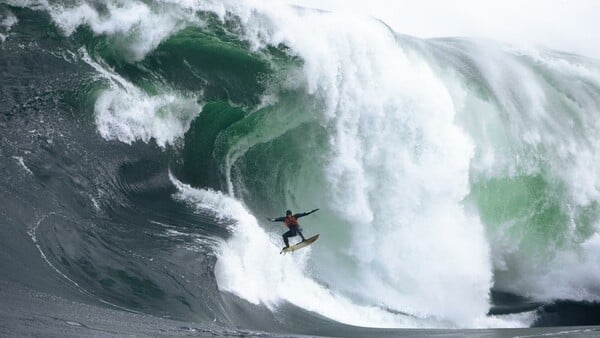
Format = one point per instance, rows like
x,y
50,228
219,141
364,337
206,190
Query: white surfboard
x,y
300,245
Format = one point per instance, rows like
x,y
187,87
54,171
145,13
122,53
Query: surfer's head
x,y
288,213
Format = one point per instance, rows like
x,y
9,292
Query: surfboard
x,y
300,245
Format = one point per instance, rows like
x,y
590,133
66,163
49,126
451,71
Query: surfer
x,y
291,221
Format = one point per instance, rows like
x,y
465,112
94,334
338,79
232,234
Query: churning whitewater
x,y
444,169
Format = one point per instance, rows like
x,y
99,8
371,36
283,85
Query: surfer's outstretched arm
x,y
305,213
278,219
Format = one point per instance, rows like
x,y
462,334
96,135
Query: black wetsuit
x,y
292,223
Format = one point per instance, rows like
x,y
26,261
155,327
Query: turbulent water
x,y
144,143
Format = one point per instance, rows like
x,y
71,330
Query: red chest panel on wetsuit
x,y
290,221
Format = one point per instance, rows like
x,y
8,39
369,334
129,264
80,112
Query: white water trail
x,y
249,265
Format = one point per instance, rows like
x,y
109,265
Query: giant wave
x,y
444,168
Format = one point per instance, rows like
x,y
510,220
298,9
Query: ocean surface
x,y
144,143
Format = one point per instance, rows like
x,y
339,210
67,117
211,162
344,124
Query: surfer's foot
x,y
285,247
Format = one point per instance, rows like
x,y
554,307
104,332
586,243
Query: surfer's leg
x,y
287,234
300,233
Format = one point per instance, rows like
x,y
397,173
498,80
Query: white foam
x,y
7,21
126,113
21,162
135,27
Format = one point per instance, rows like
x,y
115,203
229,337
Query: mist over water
x,y
443,168
568,26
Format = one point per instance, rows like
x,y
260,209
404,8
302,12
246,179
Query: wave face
x,y
444,168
